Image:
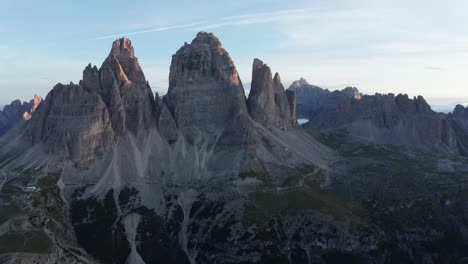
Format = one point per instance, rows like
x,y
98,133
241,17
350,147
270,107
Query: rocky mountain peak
x,y
299,83
460,111
122,48
257,64
35,102
16,111
123,62
268,103
74,123
91,79
205,91
277,77
208,40
352,92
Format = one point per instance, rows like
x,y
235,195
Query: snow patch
x,y
302,121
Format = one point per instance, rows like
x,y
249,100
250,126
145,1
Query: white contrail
x,y
158,29
245,19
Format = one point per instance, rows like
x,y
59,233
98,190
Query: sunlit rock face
x,y
205,92
268,103
14,113
34,105
84,122
124,90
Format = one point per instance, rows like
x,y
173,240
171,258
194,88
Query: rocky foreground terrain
x,y
106,172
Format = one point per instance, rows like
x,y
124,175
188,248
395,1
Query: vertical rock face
x,y
122,85
83,122
205,92
459,122
74,123
292,100
268,103
309,97
352,92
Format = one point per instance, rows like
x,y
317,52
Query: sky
x,y
415,47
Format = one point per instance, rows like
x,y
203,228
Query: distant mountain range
x,y
381,118
105,171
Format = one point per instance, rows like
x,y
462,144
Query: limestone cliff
x,y
268,103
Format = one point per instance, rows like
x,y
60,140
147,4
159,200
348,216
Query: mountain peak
x,y
208,39
268,103
205,71
123,47
300,82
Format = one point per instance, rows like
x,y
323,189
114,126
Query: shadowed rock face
x,y
83,122
459,122
122,85
268,103
14,113
380,119
204,183
74,123
205,92
311,98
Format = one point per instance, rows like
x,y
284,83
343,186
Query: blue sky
x,y
415,47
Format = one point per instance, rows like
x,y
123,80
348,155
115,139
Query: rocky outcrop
x,y
310,98
123,88
268,103
292,101
384,119
16,112
34,105
459,122
73,123
205,93
83,122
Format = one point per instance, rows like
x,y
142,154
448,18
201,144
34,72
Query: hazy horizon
x,y
396,47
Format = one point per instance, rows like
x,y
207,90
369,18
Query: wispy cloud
x,y
151,30
261,18
238,20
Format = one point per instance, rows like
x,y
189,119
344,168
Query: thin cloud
x,y
158,29
261,18
245,19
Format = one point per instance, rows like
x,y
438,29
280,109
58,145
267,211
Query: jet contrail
x,y
158,29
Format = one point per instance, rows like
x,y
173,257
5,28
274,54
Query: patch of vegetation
x,y
99,230
333,139
26,242
157,241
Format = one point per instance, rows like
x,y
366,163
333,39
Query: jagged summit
x,y
267,102
35,102
207,39
16,112
205,90
300,82
352,92
122,48
460,110
123,63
